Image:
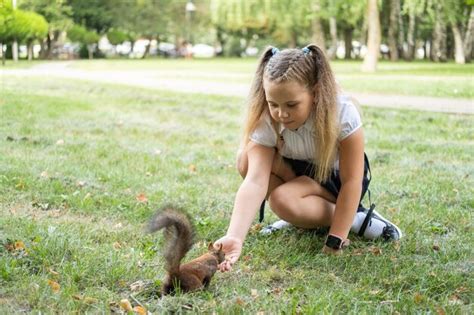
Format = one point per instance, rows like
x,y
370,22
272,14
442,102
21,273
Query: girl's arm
x,y
252,191
351,171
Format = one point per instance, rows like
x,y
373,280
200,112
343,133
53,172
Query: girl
x,y
303,151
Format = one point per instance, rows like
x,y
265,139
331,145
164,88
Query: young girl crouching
x,y
303,151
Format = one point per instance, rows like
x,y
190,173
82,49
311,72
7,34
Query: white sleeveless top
x,y
299,144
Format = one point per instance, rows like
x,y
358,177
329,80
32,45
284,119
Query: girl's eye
x,y
292,105
273,105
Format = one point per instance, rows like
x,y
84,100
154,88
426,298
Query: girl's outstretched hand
x,y
232,247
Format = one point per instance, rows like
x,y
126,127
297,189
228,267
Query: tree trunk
x,y
374,38
348,32
3,54
410,51
15,50
147,48
30,50
468,37
90,50
393,29
318,33
438,49
333,32
401,36
458,45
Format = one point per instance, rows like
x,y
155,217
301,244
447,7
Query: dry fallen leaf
x,y
77,297
192,168
117,245
53,272
375,250
60,142
254,293
140,310
435,247
90,300
80,183
418,298
256,227
142,198
44,174
19,245
54,286
137,286
125,304
239,302
455,300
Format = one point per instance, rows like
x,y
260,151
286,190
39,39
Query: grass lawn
x,y
84,166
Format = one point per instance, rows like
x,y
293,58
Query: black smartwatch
x,y
334,242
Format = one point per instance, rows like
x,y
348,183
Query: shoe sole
x,y
377,214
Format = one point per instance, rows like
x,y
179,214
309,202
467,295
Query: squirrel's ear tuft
x,y
210,246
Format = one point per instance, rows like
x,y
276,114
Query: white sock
x,y
374,228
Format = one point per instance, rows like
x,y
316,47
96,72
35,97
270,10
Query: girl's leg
x,y
303,203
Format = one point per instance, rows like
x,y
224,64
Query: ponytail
x,y
256,99
326,126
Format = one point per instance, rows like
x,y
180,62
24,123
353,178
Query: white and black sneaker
x,y
372,225
275,226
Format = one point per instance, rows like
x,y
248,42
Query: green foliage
x,y
78,33
116,37
57,13
23,26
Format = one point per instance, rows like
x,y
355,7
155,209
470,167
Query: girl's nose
x,y
283,114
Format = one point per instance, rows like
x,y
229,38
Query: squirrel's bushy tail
x,y
179,235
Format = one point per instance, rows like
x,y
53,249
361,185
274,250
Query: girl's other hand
x,y
232,247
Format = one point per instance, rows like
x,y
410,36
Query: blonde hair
x,y
310,68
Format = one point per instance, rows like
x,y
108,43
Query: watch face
x,y
333,242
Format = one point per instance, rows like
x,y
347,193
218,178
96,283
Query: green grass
x,y
75,156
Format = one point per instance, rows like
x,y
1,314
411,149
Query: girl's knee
x,y
280,202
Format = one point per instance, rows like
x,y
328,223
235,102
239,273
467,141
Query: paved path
x,y
225,84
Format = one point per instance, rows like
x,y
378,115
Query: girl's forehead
x,y
285,87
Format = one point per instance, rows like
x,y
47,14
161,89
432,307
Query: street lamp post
x,y
190,8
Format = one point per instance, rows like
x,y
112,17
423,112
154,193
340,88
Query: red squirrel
x,y
179,237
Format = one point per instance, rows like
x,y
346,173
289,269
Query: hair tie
x,y
305,50
275,50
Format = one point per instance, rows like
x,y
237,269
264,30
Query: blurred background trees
x,y
438,30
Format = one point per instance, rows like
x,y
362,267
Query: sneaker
x,y
380,227
275,226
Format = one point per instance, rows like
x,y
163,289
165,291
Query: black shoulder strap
x,y
262,212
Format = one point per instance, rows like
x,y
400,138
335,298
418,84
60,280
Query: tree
x,y
374,37
469,35
58,15
37,30
349,15
393,29
86,37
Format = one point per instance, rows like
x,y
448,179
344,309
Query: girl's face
x,y
290,103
